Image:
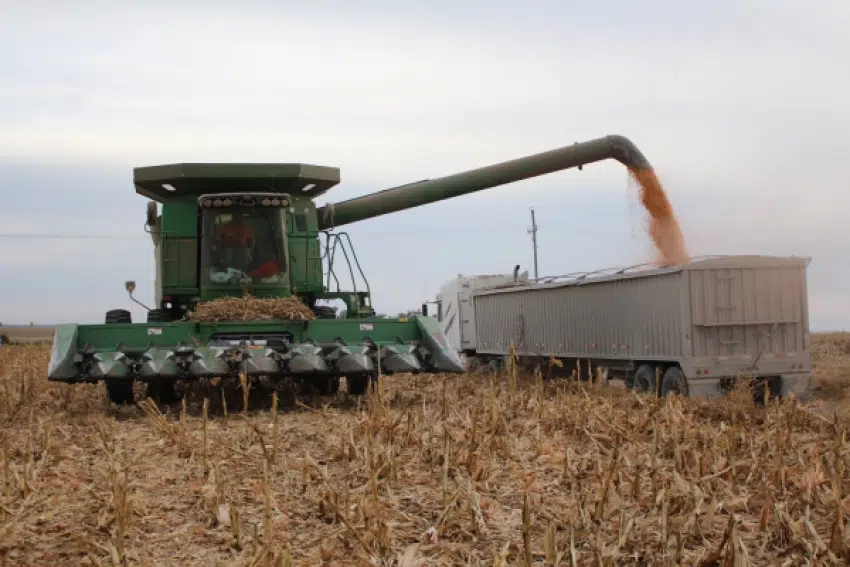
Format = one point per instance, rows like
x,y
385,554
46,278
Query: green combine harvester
x,y
226,228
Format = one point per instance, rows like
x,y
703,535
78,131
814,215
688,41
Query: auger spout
x,y
432,190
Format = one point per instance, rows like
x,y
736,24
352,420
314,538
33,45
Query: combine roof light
x,y
276,202
217,202
168,187
207,203
227,202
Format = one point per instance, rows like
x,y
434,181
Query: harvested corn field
x,y
470,470
250,308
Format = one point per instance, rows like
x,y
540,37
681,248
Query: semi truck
x,y
692,329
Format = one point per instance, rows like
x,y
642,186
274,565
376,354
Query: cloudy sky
x,y
740,105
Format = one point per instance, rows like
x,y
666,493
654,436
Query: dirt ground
x,y
446,470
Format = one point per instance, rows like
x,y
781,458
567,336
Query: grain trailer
x,y
691,328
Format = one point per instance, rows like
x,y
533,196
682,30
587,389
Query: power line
x,y
24,236
431,230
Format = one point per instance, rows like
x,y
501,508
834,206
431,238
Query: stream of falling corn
x,y
664,228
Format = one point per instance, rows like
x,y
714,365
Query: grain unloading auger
x,y
226,228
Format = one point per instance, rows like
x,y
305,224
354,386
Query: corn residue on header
x,y
251,308
664,228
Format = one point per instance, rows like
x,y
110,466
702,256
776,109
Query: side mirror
x,y
130,286
151,214
424,309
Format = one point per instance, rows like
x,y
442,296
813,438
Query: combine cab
x,y
221,230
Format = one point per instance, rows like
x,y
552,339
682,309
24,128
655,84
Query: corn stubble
x,y
472,470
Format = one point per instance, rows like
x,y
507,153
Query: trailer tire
x,y
774,386
674,382
644,380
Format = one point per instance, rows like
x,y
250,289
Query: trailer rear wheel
x,y
674,382
644,380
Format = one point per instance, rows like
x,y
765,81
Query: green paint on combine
x,y
227,228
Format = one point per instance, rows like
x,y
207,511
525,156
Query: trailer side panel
x,y
626,318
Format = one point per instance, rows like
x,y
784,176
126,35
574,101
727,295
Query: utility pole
x,y
533,232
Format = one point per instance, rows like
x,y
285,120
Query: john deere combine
x,y
225,229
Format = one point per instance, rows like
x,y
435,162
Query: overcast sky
x,y
740,105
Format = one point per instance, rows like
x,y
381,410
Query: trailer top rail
x,y
646,269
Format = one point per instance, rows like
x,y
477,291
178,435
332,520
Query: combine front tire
x,y
118,316
163,391
327,385
357,385
324,312
120,392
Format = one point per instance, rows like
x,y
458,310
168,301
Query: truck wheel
x,y
674,382
120,392
644,380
